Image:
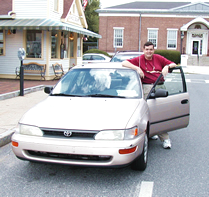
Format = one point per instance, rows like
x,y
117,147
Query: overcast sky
x,y
109,3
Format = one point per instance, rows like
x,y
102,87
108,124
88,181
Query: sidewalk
x,y
10,88
196,69
13,109
13,106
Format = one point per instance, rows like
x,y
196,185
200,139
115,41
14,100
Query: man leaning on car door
x,y
150,66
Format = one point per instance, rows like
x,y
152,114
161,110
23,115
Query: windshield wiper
x,y
105,95
62,94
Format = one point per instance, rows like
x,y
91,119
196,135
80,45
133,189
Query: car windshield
x,y
123,57
97,82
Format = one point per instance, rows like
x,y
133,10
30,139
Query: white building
x,y
50,31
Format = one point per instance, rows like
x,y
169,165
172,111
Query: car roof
x,y
128,52
94,54
100,65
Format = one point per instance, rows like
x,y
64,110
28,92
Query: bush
x,y
97,51
174,56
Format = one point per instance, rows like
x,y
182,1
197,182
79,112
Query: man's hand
x,y
141,73
165,70
132,66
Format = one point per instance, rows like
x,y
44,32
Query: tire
x,y
140,163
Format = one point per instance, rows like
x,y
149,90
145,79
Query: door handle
x,y
185,101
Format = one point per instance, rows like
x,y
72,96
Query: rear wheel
x,y
140,163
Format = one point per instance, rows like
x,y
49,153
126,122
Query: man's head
x,y
148,50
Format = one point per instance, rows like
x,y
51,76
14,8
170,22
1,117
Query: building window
x,y
65,41
118,37
56,5
171,39
71,37
152,36
1,42
54,44
59,44
33,44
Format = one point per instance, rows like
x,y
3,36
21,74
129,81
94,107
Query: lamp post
x,y
182,36
21,56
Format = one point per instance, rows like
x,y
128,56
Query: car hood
x,y
81,113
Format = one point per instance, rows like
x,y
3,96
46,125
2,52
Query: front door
x,y
171,112
195,48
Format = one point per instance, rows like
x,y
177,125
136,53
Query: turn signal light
x,y
127,151
136,132
15,144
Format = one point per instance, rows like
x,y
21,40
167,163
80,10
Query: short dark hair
x,y
146,44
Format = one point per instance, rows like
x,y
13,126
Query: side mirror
x,y
159,93
48,89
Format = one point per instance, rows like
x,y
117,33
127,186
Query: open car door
x,y
169,106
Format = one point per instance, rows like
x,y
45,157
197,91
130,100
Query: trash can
x,y
184,59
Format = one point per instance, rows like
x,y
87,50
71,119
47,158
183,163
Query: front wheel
x,y
140,163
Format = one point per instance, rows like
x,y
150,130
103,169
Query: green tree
x,y
92,17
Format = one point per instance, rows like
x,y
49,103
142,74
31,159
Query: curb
x,y
17,93
5,137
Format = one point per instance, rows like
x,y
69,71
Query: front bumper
x,y
76,152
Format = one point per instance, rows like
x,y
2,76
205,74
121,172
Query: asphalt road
x,y
182,171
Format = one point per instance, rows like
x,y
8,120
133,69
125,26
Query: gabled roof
x,y
67,5
6,6
149,5
158,7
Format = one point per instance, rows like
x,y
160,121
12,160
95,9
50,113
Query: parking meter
x,y
21,56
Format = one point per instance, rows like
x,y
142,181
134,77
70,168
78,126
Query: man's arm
x,y
132,66
165,70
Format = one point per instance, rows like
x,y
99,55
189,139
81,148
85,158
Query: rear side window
x,y
97,57
87,57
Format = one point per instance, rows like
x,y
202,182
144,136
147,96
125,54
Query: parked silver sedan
x,y
95,58
96,116
121,56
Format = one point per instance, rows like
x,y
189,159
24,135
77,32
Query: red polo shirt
x,y
155,66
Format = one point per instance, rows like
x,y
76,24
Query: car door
x,y
171,112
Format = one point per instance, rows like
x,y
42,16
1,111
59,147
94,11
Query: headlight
x,y
30,130
125,134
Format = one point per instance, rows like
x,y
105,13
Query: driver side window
x,y
175,82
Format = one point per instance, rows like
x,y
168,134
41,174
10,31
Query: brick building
x,y
181,26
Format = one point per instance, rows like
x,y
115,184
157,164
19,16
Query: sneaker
x,y
167,144
155,137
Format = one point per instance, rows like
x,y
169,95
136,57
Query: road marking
x,y
206,81
188,80
146,189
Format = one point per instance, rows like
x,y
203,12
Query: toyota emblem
x,y
67,133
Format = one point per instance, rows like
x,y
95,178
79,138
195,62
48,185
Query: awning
x,y
44,24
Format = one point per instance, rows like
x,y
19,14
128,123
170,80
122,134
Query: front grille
x,y
74,157
75,134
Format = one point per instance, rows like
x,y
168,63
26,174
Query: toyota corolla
x,y
96,115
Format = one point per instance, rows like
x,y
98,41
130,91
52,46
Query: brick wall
x,y
131,31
